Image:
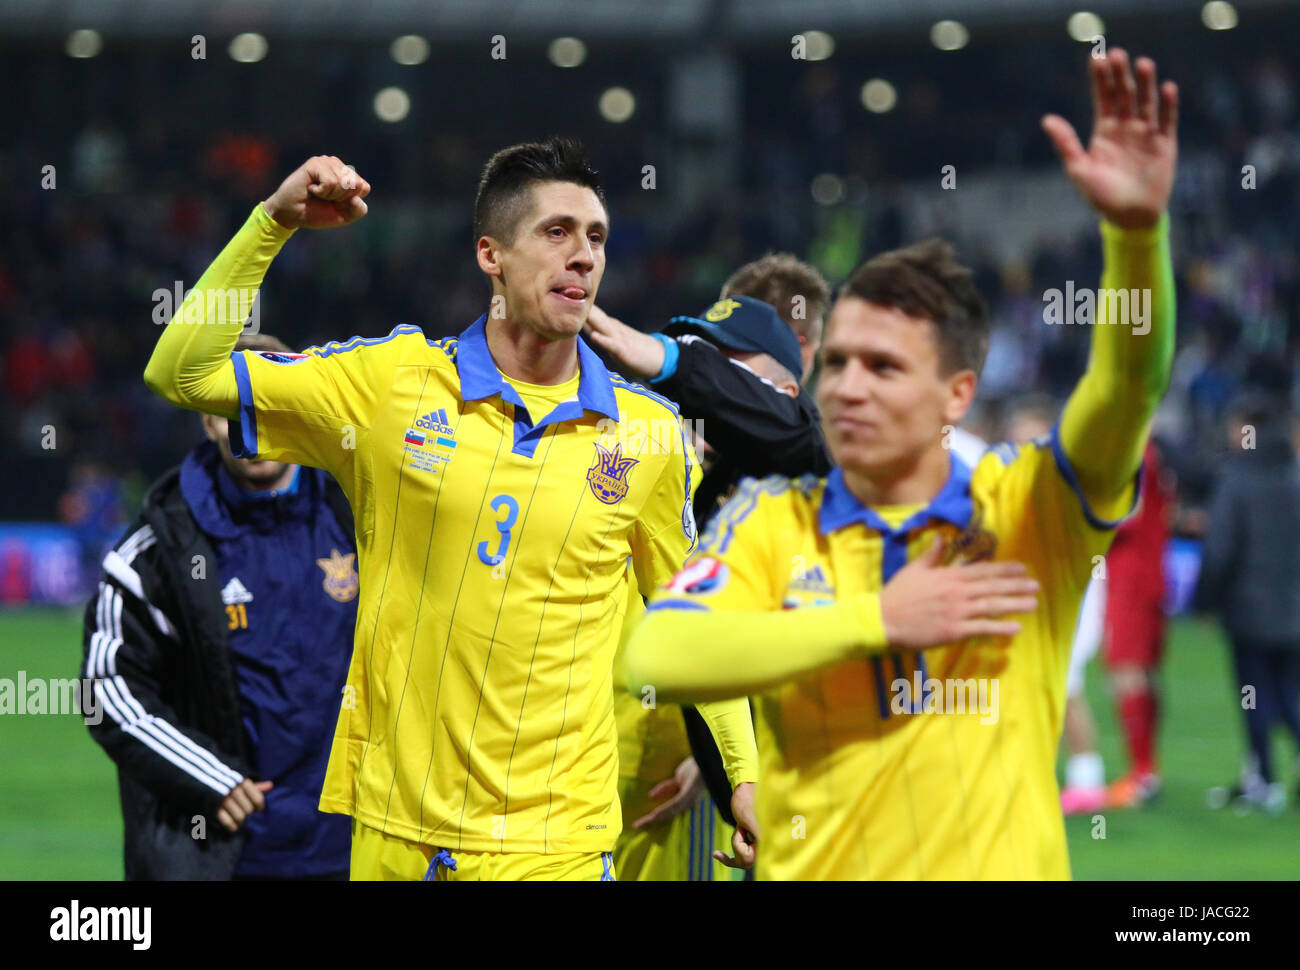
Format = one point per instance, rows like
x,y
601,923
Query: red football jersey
x,y
1135,563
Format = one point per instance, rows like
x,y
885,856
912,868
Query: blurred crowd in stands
x,y
158,159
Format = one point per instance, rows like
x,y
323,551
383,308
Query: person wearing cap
x,y
734,371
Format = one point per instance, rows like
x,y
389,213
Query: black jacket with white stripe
x,y
754,428
156,647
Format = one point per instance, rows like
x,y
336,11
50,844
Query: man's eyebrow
x,y
571,222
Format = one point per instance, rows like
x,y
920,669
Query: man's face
x,y
249,474
550,271
882,399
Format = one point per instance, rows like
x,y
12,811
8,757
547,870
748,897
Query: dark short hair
x,y
925,280
262,341
777,279
503,191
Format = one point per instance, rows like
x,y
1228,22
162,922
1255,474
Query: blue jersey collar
x,y
479,378
841,508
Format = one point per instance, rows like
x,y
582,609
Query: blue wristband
x,y
670,358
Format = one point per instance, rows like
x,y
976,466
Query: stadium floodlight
x,y
879,96
617,105
567,52
949,35
818,45
392,104
827,189
409,50
1219,15
1085,26
247,48
84,43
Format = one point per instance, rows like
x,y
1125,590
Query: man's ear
x,y
488,252
788,387
209,423
961,393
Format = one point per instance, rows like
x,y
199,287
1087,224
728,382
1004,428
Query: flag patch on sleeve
x,y
705,575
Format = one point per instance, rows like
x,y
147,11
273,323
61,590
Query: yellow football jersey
x,y
652,739
937,764
494,551
652,742
678,850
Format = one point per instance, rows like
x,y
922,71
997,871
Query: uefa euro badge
x,y
608,476
341,579
721,310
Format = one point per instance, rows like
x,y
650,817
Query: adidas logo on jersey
x,y
435,421
811,579
235,592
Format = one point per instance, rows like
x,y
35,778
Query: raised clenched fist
x,y
321,194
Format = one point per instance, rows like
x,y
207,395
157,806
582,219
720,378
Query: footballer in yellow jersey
x,y
501,505
909,677
652,749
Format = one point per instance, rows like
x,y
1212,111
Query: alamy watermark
x,y
42,695
98,924
661,436
952,695
179,305
1128,308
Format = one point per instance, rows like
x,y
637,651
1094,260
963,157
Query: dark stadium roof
x,y
459,19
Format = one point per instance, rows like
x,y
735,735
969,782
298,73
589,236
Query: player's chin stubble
x,y
260,480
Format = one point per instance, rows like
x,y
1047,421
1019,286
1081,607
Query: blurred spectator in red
x,y
245,160
29,368
1135,628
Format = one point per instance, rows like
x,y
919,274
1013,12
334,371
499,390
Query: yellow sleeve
x,y
664,534
190,365
729,722
717,631
316,408
732,726
1104,426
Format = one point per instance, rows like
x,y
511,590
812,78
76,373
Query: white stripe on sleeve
x,y
155,733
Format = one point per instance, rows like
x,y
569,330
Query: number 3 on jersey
x,y
504,524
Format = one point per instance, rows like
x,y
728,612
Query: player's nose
x,y
854,383
583,256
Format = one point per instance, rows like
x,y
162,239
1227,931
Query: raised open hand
x,y
1127,171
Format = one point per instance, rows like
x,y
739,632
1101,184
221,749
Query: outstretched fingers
x,y
1064,139
1122,84
1147,105
1169,109
1103,99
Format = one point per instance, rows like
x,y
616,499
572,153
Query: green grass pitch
x,y
59,815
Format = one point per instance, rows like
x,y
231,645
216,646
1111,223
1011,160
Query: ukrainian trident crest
x,y
608,476
341,580
974,543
